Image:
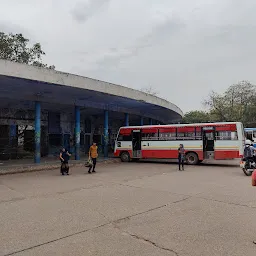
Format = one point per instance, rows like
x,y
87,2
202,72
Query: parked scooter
x,y
248,166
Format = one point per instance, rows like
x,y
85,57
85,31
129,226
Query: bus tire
x,y
125,157
192,158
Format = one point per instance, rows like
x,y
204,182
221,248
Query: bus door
x,y
208,142
136,143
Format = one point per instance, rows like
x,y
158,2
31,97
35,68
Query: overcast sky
x,y
182,48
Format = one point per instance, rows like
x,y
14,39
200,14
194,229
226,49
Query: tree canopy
x,y
15,47
196,116
237,103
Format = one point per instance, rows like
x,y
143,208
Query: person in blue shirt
x,y
64,158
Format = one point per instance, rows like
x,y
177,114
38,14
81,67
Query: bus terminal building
x,y
42,110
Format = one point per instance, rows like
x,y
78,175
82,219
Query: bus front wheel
x,y
125,157
192,158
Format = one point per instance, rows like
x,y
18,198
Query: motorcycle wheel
x,y
246,172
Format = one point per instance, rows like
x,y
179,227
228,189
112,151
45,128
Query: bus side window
x,y
186,136
190,135
180,135
120,138
222,135
186,133
167,133
254,136
149,136
249,135
167,136
124,138
198,135
234,136
226,135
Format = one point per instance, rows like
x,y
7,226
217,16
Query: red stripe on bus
x,y
172,154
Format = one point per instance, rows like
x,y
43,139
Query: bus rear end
x,y
241,138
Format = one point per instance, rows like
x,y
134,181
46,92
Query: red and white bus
x,y
201,141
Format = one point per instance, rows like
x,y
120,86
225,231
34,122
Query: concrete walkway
x,y
47,163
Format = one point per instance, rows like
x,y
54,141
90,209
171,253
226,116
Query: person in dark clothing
x,y
64,158
181,157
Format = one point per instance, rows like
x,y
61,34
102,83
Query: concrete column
x,y
126,119
77,133
37,132
141,121
105,133
13,139
13,131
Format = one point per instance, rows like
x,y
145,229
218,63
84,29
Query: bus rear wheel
x,y
125,157
192,158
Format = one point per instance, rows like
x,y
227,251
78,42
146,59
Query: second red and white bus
x,y
201,141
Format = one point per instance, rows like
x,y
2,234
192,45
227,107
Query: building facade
x,y
43,110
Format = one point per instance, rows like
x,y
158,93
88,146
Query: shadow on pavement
x,y
215,163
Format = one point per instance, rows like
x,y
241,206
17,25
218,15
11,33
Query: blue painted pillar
x,y
150,121
13,138
13,132
141,121
126,119
105,133
77,133
37,132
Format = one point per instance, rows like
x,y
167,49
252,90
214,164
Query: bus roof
x,y
179,125
250,129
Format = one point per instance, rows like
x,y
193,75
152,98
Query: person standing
x,y
93,155
64,157
181,157
254,185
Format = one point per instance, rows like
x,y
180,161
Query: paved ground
x,y
145,209
48,163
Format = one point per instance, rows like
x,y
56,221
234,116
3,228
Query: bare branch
x,y
149,90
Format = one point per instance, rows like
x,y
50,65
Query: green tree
x,y
15,47
237,103
196,117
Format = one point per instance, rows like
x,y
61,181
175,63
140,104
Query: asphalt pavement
x,y
129,209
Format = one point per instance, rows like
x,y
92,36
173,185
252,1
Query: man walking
x,y
93,154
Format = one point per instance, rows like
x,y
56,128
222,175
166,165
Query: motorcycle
x,y
248,166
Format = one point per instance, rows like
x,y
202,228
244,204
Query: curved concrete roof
x,y
74,84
